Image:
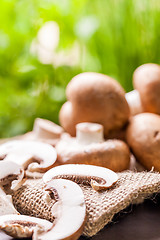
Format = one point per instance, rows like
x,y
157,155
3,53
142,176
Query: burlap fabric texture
x,y
132,187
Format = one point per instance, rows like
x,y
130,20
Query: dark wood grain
x,y
140,222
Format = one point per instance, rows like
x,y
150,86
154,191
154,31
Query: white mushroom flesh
x,y
44,128
87,133
6,205
22,226
37,156
69,211
98,177
11,173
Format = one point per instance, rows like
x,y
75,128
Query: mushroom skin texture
x,y
31,155
134,102
69,211
94,97
143,137
98,177
89,148
22,226
146,80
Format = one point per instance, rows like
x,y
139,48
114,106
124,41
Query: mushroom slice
x,y
69,211
22,226
11,174
37,156
98,177
6,205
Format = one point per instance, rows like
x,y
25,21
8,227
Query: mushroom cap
x,y
98,177
69,211
22,226
146,79
112,154
143,137
37,156
134,101
95,98
67,119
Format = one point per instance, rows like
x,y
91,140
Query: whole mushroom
x,y
145,96
94,97
134,101
143,137
90,148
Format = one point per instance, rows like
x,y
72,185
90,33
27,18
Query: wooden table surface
x,y
138,222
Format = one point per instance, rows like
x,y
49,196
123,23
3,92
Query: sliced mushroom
x,y
11,174
6,205
98,177
11,178
36,156
22,226
89,148
69,211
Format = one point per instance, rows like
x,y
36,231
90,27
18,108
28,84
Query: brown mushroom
x,y
98,177
89,148
94,97
143,137
32,155
146,80
134,102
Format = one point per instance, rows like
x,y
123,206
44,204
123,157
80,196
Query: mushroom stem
x,y
87,133
44,128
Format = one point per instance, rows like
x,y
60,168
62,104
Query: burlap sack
x,y
101,206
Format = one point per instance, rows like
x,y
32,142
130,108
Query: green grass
x,y
114,37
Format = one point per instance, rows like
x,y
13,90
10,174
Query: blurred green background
x,y
44,43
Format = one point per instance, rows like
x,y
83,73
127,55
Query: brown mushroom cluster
x,y
97,98
102,130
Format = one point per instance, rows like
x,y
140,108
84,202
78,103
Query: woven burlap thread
x,y
131,188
